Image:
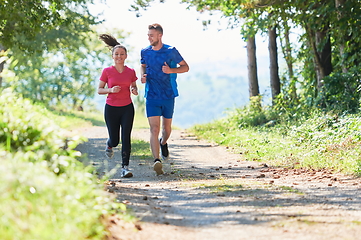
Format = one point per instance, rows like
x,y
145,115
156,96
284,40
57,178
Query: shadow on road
x,y
219,192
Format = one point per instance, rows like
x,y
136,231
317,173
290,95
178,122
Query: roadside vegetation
x,y
47,193
296,138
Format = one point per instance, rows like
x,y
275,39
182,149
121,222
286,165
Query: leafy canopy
x,y
22,20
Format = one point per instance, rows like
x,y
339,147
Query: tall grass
x,y
315,140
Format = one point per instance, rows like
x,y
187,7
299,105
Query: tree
x,y
22,20
273,55
64,76
340,15
329,39
252,67
287,51
33,26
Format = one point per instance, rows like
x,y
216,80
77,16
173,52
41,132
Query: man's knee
x,y
154,130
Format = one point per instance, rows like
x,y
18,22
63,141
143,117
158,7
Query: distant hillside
x,y
210,88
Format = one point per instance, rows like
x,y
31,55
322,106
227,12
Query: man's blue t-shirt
x,y
160,85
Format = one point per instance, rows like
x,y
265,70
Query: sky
x,y
182,28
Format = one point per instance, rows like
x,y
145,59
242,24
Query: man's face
x,y
154,37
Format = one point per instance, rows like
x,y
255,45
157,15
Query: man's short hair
x,y
156,27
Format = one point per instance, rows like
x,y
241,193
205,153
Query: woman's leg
x,y
127,126
112,120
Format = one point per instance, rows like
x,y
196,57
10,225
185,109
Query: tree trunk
x,y
2,63
252,67
289,61
272,48
339,4
322,58
323,42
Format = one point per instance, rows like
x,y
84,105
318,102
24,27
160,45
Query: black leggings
x,y
116,118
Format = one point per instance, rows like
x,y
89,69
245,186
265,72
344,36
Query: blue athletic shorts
x,y
163,108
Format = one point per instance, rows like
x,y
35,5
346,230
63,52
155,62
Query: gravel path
x,y
211,193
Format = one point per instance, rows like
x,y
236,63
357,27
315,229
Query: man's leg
x,y
154,124
154,110
167,129
167,113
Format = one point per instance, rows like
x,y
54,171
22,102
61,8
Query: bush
x,y
46,193
340,92
251,115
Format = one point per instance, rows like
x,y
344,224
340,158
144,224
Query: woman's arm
x,y
102,90
134,88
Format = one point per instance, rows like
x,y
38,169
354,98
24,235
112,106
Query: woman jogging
x,y
119,108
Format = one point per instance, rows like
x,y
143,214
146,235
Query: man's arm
x,y
143,75
183,67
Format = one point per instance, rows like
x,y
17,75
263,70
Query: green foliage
x,y
340,92
22,21
23,129
46,192
316,24
60,66
311,140
66,75
36,204
251,115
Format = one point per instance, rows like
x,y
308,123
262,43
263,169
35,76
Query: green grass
x,y
290,189
221,187
140,120
321,141
244,188
74,119
141,149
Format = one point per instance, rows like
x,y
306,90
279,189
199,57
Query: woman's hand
x,y
134,90
115,89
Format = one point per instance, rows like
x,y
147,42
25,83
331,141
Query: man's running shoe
x,y
158,167
164,150
126,173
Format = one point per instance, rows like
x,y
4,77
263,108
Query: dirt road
x,y
211,193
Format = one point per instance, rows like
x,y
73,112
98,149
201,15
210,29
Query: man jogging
x,y
160,64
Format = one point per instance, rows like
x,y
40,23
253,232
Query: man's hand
x,y
144,78
166,68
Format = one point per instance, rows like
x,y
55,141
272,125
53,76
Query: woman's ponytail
x,y
111,42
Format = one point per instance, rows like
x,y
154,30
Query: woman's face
x,y
119,55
